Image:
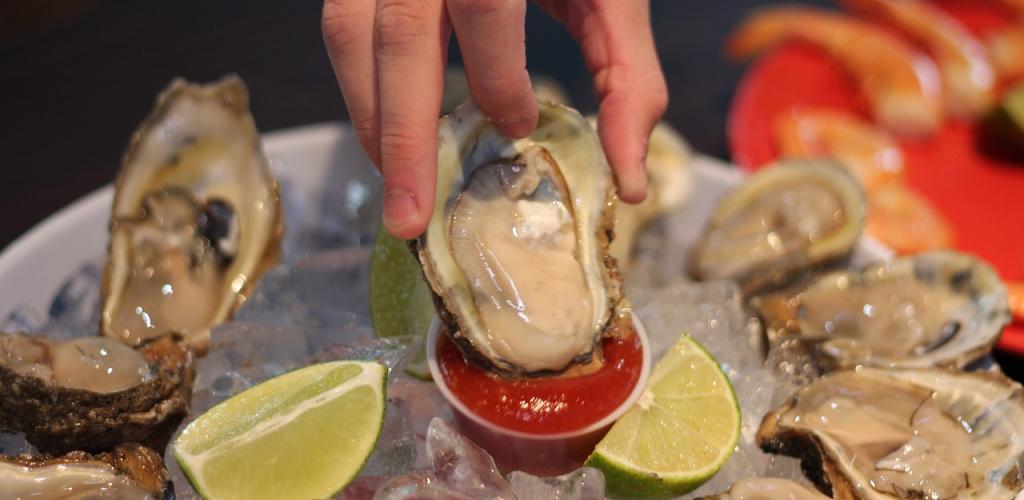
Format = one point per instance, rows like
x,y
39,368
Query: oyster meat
x,y
937,309
91,393
130,471
875,433
196,217
767,488
783,221
516,251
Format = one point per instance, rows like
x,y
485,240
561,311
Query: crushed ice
x,y
314,307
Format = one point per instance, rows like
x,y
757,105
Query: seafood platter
x,y
918,97
234,324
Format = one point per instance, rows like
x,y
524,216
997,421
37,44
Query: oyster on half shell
x,y
937,309
91,393
129,471
873,433
516,251
781,222
196,217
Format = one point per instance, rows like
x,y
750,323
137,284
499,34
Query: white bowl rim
x,y
433,335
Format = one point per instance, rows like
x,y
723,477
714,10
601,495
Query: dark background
x,y
77,76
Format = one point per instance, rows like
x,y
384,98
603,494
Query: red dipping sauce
x,y
544,405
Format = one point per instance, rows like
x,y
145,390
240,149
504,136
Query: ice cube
x,y
24,319
419,485
458,469
463,465
74,310
713,313
342,210
401,447
320,290
582,484
14,444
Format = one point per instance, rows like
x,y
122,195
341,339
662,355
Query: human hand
x,y
389,57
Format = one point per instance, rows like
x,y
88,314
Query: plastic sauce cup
x,y
538,454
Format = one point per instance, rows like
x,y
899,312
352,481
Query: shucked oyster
x,y
91,393
196,217
516,250
942,309
130,471
874,433
786,219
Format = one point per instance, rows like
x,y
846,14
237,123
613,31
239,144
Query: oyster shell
x,y
130,471
516,249
937,309
196,217
874,433
91,393
784,220
767,488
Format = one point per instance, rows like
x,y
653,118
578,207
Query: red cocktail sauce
x,y
544,405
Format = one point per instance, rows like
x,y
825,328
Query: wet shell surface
x,y
516,251
780,223
129,471
92,393
881,434
937,309
196,217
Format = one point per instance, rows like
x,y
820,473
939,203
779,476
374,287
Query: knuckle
x,y
502,90
477,7
657,98
365,127
616,101
398,146
338,23
400,24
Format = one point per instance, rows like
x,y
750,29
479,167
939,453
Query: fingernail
x,y
633,188
400,208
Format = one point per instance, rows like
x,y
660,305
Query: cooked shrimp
x,y
1017,5
1015,291
1006,48
870,153
905,221
901,86
968,78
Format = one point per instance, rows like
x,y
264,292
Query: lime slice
x,y
304,434
684,428
401,304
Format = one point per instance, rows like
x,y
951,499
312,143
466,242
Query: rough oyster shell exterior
x,y
59,419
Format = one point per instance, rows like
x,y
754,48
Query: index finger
x,y
408,38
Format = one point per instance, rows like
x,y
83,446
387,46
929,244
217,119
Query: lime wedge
x,y
401,304
682,430
304,434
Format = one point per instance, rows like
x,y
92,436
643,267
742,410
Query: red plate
x,y
981,196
